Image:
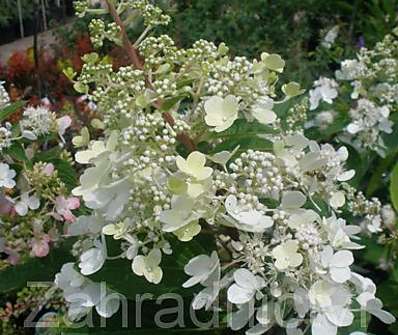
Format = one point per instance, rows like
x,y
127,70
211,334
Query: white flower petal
x,y
293,199
239,295
322,326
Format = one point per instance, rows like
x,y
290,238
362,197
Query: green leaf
x,y
47,155
246,135
17,152
35,269
66,172
168,104
11,109
80,88
377,180
394,187
69,73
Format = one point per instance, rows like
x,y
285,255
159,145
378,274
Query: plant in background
x,y
35,201
193,147
363,116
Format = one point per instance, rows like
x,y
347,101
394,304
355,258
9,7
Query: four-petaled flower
x,y
6,176
148,266
245,288
27,202
221,113
286,255
248,219
194,166
338,264
200,268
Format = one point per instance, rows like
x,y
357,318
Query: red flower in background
x,y
19,65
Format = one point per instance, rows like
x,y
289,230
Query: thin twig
x,y
132,52
135,59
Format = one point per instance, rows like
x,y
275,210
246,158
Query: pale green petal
x,y
154,276
195,190
154,257
182,165
196,160
138,265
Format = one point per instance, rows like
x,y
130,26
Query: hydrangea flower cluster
x,y
373,97
34,199
166,169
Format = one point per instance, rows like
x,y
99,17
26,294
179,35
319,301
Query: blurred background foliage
x,y
291,28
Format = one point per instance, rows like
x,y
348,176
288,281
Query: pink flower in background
x,y
64,207
6,206
13,256
48,169
41,247
63,124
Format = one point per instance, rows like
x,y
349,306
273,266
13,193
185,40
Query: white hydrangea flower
x,y
368,121
101,193
293,200
325,89
265,320
248,219
262,110
63,123
148,266
201,268
245,288
117,230
82,294
37,121
194,166
332,303
93,259
266,207
367,300
338,264
221,113
286,255
241,317
351,69
188,232
95,149
27,202
330,37
86,225
339,234
180,215
7,176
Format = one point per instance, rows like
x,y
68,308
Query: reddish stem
x,y
135,59
132,52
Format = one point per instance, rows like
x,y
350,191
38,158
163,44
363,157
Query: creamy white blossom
x,y
7,176
325,89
